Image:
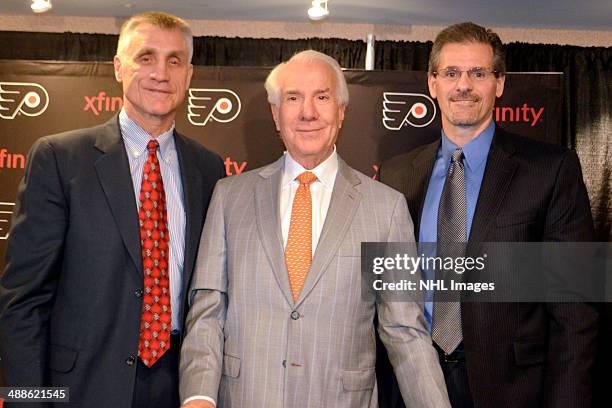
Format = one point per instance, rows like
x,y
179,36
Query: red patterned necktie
x,y
155,323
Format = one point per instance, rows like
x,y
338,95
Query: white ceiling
x,y
559,14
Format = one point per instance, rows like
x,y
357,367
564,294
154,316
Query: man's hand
x,y
199,403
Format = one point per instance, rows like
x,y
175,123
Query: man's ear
x,y
275,114
501,81
431,82
189,75
117,65
341,110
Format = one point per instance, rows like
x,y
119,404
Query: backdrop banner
x,y
226,110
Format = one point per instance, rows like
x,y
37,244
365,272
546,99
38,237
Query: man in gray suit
x,y
278,318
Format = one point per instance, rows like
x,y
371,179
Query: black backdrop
x,y
587,113
38,98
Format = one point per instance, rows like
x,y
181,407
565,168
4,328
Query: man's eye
x,y
451,73
323,97
479,73
291,98
145,59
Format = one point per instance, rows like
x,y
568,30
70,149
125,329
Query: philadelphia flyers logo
x,y
25,98
402,109
220,105
6,211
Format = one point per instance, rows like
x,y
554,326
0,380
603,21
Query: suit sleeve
x,y
29,282
572,342
202,350
403,331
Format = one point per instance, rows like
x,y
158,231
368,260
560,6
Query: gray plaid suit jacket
x,y
249,344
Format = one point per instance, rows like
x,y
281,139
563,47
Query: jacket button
x,y
284,363
138,293
130,360
295,315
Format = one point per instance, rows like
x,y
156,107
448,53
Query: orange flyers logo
x,y
25,98
204,105
402,109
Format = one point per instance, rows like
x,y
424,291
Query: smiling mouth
x,y
464,104
159,91
308,130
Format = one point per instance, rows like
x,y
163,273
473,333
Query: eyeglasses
x,y
475,74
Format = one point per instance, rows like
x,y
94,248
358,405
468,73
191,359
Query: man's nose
x,y
160,71
309,110
464,82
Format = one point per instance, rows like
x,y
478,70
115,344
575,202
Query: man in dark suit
x,y
105,235
493,186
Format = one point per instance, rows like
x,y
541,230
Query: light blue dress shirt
x,y
136,139
475,158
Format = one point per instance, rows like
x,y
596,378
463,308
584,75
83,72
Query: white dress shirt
x,y
135,140
320,190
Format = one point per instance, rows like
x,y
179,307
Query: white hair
x,y
273,87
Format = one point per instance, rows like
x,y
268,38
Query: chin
x,y
464,121
162,111
310,145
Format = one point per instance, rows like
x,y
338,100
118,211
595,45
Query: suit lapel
x,y
500,169
268,223
192,201
422,168
343,205
113,171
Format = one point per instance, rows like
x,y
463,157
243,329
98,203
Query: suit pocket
x,y
231,366
525,217
529,351
62,359
358,380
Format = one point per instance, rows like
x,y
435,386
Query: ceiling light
x,y
319,10
41,6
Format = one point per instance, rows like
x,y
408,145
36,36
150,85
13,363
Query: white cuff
x,y
200,397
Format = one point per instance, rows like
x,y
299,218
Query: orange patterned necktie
x,y
155,323
298,253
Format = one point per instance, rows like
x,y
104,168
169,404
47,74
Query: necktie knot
x,y
458,155
456,161
307,178
152,146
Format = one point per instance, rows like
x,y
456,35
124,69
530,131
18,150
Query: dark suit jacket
x,y
519,354
71,293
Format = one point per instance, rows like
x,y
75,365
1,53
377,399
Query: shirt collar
x,y
136,138
325,171
475,151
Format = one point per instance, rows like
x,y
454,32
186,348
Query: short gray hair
x,y
157,19
273,87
